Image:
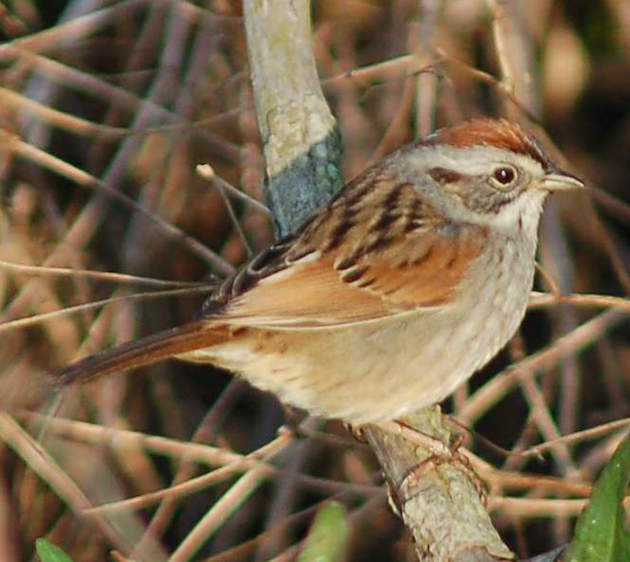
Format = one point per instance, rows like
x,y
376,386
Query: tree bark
x,y
300,136
436,495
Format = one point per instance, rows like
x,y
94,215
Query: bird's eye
x,y
503,177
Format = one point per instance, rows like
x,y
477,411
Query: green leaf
x,y
48,552
600,535
327,540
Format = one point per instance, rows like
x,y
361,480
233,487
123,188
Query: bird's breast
x,y
385,369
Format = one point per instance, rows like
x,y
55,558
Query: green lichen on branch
x,y
300,137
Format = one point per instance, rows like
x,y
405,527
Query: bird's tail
x,y
145,351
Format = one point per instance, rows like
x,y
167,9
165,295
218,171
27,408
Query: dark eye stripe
x,y
442,175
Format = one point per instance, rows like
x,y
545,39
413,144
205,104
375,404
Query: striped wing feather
x,y
353,264
318,294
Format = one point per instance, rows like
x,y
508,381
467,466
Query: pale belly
x,y
387,368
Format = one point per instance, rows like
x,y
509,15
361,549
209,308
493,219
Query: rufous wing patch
x,y
428,275
302,295
406,273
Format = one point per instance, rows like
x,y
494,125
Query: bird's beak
x,y
559,180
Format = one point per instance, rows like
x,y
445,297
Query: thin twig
x,y
41,317
99,275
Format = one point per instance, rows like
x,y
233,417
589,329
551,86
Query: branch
x,y
434,490
300,137
438,496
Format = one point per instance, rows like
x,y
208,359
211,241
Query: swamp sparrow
x,y
392,294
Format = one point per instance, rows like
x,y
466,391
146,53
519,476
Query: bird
x,y
391,295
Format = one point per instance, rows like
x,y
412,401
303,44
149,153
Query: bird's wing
x,y
357,261
377,250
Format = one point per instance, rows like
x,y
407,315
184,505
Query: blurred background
x,y
107,107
